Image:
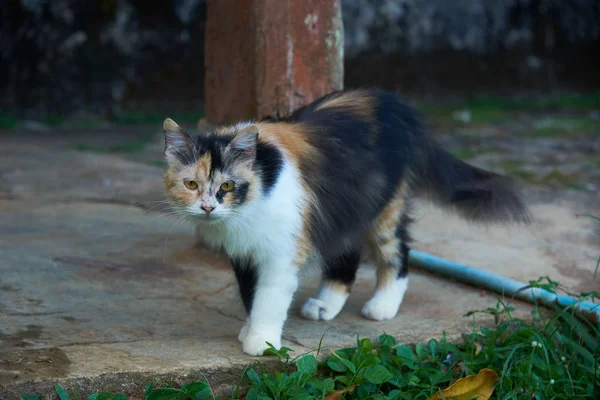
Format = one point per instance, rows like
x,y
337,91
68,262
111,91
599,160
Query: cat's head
x,y
211,176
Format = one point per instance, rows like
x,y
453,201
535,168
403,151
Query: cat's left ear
x,y
243,145
178,145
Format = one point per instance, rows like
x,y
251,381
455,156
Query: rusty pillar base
x,y
270,57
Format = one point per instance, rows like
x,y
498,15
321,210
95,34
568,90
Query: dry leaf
x,y
337,394
476,387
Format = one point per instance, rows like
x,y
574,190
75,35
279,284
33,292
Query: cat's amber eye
x,y
192,185
227,186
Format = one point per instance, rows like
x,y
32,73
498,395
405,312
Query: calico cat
x,y
334,180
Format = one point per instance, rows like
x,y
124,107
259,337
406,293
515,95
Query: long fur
x,y
330,182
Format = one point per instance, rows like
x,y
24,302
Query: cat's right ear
x,y
178,145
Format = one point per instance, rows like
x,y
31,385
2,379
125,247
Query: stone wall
x,y
102,56
64,56
468,46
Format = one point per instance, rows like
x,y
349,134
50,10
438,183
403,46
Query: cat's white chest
x,y
266,229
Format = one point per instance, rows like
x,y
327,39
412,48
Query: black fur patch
x,y
269,161
241,193
213,145
405,239
342,268
247,277
220,196
358,171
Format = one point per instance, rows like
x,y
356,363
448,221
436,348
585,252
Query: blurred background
x,y
511,85
117,58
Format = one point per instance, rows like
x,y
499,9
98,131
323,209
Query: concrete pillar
x,y
270,57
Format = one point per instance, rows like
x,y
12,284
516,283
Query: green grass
x,y
133,146
544,357
562,126
553,177
494,110
546,103
470,152
8,121
597,219
134,118
157,163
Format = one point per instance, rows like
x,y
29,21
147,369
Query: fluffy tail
x,y
472,192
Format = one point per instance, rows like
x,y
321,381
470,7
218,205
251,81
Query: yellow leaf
x,y
337,394
472,387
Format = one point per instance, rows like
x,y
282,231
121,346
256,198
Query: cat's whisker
x,y
149,209
176,224
169,214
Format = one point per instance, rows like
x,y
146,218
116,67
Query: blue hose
x,y
497,283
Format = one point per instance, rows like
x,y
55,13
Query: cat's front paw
x,y
316,309
380,310
243,333
255,342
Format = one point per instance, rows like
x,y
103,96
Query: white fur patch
x,y
243,333
327,305
386,301
265,230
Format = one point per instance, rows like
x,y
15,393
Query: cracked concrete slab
x,y
102,289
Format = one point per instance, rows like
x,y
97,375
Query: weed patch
x,y
549,357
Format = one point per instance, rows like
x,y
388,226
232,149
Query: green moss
x,y
157,163
8,121
133,146
562,126
468,153
133,118
553,178
54,121
562,102
493,110
556,177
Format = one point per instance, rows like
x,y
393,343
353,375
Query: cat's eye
x,y
192,185
227,186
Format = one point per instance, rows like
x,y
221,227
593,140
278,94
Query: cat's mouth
x,y
209,218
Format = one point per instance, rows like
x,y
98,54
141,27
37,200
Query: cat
x,y
331,182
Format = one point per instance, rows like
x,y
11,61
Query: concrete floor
x,y
99,290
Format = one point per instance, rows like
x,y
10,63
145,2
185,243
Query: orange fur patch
x,y
384,244
303,249
386,276
203,166
339,287
291,138
356,102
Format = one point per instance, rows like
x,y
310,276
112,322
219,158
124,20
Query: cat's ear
x,y
243,145
178,145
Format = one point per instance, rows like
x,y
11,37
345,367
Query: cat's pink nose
x,y
207,209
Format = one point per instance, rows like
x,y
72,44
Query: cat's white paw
x,y
379,310
255,342
329,302
243,333
316,309
386,301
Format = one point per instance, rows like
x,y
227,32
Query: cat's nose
x,y
207,209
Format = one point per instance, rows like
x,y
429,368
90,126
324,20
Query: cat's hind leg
x,y
389,245
338,276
